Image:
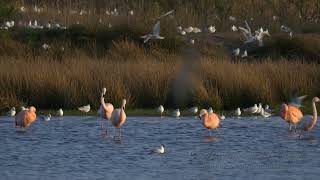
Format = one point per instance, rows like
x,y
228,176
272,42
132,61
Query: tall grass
x,y
147,81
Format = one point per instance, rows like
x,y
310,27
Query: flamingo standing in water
x,y
26,117
107,108
209,121
291,112
293,115
118,117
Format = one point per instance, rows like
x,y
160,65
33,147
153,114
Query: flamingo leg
x,y
114,132
210,132
218,131
289,127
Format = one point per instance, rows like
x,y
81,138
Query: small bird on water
x,y
159,150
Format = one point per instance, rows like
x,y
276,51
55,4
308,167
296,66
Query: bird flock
x,y
248,35
290,113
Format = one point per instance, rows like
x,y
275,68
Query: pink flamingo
x,y
209,121
107,109
118,117
293,115
309,126
26,117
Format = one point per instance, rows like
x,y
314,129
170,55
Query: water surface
x,y
75,147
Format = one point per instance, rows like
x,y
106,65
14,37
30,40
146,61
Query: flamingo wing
x,y
295,113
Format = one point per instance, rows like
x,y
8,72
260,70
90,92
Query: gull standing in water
x,y
194,110
222,117
46,118
118,118
160,110
252,109
265,114
155,33
12,112
176,113
238,112
85,109
209,121
60,112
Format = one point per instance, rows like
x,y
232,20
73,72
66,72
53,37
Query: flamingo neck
x,y
311,125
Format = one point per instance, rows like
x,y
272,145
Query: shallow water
x,y
76,148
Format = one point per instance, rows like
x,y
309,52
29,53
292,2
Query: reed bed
x,y
222,84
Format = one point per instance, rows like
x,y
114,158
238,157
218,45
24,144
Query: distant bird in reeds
x,y
155,33
245,54
247,34
26,117
286,29
165,14
236,52
196,30
118,118
160,110
210,110
189,29
12,112
232,18
260,35
234,28
212,29
85,109
45,46
209,121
